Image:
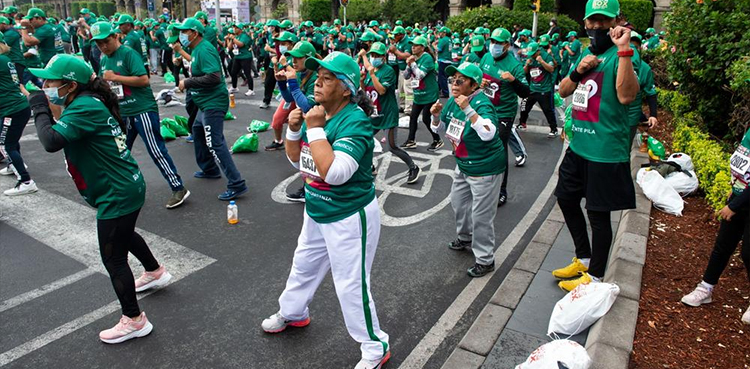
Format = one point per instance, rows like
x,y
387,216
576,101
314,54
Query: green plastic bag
x,y
167,133
246,143
31,87
177,128
568,128
258,126
183,121
559,102
168,77
229,116
656,150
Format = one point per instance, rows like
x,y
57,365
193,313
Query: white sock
x,y
709,287
585,262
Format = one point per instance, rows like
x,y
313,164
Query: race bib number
x,y
306,163
454,55
414,83
236,51
7,121
455,130
117,89
739,161
373,95
581,98
391,58
535,73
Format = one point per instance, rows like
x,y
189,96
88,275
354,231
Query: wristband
x,y
315,134
469,111
575,76
626,53
292,135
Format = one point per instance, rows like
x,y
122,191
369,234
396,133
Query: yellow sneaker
x,y
571,270
570,285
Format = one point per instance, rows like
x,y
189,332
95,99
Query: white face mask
x,y
551,24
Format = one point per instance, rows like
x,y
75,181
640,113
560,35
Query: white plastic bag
x,y
683,160
377,148
661,194
682,183
581,307
567,352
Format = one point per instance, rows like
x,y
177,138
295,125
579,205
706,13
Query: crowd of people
x,y
338,85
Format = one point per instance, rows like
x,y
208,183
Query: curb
x,y
610,340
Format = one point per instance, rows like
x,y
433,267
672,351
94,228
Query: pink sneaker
x,y
158,278
127,329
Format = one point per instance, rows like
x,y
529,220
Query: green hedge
x,y
106,9
410,11
362,10
709,157
639,13
316,10
49,10
499,16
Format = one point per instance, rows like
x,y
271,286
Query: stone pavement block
x,y
634,222
548,232
607,357
512,289
630,247
627,275
462,359
511,349
642,204
486,329
556,214
564,241
617,327
556,259
533,256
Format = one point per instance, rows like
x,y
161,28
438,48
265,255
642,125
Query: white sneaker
x,y
746,316
700,295
250,93
373,364
22,188
277,323
233,90
8,171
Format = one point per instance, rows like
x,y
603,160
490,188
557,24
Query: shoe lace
x,y
18,184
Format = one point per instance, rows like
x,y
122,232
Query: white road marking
x,y
41,291
435,336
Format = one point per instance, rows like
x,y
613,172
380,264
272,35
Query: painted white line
x,y
41,291
435,336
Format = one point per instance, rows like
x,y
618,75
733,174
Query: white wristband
x,y
469,111
292,135
315,134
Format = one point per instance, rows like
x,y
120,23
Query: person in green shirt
x,y
15,112
468,119
58,32
603,84
210,30
647,92
43,34
573,49
239,43
207,90
332,148
132,38
64,27
398,52
379,82
13,40
653,39
420,68
443,46
476,50
540,67
92,135
122,68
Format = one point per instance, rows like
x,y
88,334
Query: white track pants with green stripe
x,y
347,248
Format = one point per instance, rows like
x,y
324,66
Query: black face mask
x,y
600,40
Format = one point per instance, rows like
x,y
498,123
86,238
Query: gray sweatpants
x,y
474,200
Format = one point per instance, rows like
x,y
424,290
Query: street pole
x,y
217,14
533,27
344,15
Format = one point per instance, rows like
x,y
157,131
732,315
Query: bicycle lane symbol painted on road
x,y
429,163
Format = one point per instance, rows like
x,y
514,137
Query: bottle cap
x,y
231,202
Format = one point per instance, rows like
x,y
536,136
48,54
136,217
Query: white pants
x,y
405,93
344,247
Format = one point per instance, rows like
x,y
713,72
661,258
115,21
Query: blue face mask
x,y
497,50
53,94
283,49
376,62
184,40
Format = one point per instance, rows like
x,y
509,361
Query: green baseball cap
x,y
101,30
478,31
477,43
302,49
4,20
525,32
191,24
544,40
35,12
532,48
285,36
65,66
607,8
138,23
286,23
378,48
307,24
572,34
336,22
500,35
555,36
9,10
84,11
398,30
445,29
374,23
201,15
368,36
419,40
650,30
337,63
467,69
399,23
125,19
174,33
635,36
272,23
68,19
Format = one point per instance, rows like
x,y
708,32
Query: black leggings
x,y
166,61
117,237
394,149
505,127
424,109
730,234
246,66
269,83
10,137
546,102
601,234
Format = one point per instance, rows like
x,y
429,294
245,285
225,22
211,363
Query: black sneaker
x,y
409,145
459,245
435,145
413,175
479,270
275,146
503,198
520,160
298,196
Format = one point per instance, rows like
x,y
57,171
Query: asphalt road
x,y
55,297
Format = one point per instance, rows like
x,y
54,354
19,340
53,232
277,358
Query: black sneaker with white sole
x,y
479,270
503,198
459,245
552,134
520,160
298,196
435,145
409,145
413,175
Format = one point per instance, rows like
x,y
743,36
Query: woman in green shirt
x,y
239,42
420,68
92,135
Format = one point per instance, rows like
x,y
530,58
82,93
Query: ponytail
x,y
100,89
363,101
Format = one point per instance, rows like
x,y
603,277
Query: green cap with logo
x,y
272,23
477,43
398,30
544,40
607,8
374,23
124,19
302,49
470,70
337,63
101,30
84,11
35,12
500,35
9,10
572,34
419,40
532,48
286,23
378,48
65,66
368,36
201,15
191,24
174,33
4,20
445,29
285,36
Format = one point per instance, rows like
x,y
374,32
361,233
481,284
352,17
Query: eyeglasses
x,y
456,81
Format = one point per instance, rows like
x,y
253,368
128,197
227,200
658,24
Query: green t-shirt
x,y
738,165
133,100
33,61
134,41
426,89
11,98
244,51
15,42
350,132
471,57
647,88
601,132
575,47
474,157
98,160
456,51
162,39
540,80
500,91
385,115
46,36
64,32
210,35
444,46
206,60
403,47
58,31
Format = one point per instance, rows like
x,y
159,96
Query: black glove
x,y
37,100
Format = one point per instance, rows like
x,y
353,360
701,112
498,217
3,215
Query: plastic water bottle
x,y
231,101
232,213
